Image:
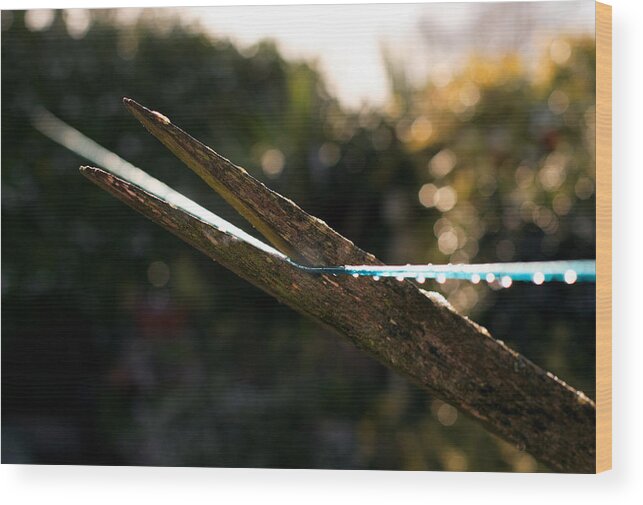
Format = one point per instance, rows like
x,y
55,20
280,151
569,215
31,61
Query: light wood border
x,y
603,237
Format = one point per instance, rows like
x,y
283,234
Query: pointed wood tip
x,y
86,169
144,114
132,105
95,174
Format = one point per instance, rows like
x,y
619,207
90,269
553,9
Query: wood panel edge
x,y
603,237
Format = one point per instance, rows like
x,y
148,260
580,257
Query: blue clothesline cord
x,y
537,272
504,273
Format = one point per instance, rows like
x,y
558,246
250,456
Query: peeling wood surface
x,y
408,329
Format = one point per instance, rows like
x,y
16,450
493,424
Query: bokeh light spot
x,y
77,22
158,273
329,154
272,163
560,51
571,276
558,101
562,204
442,163
421,130
469,94
524,176
37,20
553,174
447,415
448,242
427,195
584,188
446,198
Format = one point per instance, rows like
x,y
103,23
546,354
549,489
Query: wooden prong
x,y
289,228
411,331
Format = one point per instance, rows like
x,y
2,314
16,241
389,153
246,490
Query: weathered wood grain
x,y
408,329
603,237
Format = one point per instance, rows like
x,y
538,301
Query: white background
x,y
115,485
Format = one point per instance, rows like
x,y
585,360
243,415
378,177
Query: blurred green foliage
x,y
121,345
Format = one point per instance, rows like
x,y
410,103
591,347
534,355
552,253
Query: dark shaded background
x,y
121,345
